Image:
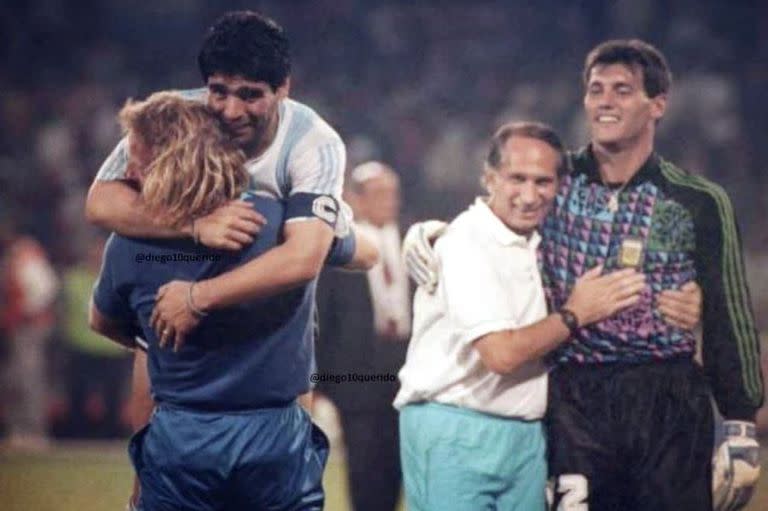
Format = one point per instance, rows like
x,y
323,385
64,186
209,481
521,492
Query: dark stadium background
x,y
420,85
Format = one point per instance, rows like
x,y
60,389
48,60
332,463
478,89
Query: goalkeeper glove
x,y
735,467
418,254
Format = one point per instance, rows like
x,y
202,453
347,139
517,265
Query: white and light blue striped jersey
x,y
307,155
116,164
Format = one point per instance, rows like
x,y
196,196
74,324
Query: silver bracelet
x,y
191,304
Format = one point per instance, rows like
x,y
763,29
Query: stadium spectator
x,y
98,372
29,287
370,343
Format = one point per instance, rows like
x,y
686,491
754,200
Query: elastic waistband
x,y
469,412
277,407
676,362
680,371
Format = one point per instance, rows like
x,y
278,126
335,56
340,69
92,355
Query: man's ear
x,y
285,89
658,106
488,180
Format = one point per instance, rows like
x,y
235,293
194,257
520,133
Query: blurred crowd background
x,y
418,84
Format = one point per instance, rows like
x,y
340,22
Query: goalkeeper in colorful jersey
x,y
631,425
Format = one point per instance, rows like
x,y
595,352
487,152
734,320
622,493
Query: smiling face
x,y
524,185
247,109
619,112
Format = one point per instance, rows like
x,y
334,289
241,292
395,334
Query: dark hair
x,y
526,129
247,44
636,54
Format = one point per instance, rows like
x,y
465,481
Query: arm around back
x,y
593,298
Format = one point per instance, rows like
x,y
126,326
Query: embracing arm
x,y
594,297
116,206
180,304
314,173
354,252
293,263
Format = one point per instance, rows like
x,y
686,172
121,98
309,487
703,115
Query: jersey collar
x,y
584,162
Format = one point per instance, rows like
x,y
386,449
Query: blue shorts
x,y
267,459
456,459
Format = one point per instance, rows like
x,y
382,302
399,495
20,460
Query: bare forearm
x,y
277,270
115,206
506,351
593,298
540,338
294,263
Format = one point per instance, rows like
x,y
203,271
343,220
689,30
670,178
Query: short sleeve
x,y
317,164
477,299
116,164
109,297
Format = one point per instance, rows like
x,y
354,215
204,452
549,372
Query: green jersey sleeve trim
x,y
734,280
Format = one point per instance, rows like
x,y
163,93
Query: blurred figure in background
x,y
365,322
98,370
29,285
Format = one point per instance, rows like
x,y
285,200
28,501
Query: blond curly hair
x,y
194,166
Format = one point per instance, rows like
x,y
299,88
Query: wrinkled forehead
x,y
235,82
529,154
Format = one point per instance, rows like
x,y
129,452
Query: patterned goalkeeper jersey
x,y
674,227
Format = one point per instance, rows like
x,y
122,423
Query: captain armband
x,y
304,206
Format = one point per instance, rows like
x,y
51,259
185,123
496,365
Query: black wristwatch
x,y
570,320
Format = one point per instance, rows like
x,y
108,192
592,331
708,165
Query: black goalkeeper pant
x,y
630,437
